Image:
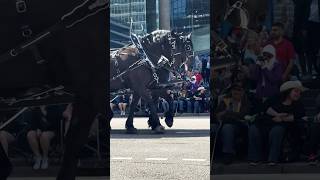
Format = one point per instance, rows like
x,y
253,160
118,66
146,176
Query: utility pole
x,y
164,14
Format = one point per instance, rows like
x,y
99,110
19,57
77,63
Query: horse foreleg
x,y
170,113
83,117
154,122
129,123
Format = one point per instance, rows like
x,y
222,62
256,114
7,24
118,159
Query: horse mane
x,y
158,35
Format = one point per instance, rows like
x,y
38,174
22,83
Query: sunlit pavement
x,y
181,153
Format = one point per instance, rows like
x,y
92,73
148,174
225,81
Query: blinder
x,y
21,6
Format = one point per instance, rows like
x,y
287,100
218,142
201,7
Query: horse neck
x,y
154,50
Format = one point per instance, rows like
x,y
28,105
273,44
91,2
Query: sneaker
x,y
254,163
37,163
272,163
44,163
312,159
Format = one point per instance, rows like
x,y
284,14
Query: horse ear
x,y
189,36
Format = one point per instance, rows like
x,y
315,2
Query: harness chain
x,y
26,31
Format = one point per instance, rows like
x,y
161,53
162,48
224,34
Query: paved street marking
x,y
156,159
121,158
183,132
198,160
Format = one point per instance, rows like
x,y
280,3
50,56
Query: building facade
x,y
122,11
188,15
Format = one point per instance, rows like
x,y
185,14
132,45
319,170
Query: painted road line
x,y
156,159
121,158
183,132
198,160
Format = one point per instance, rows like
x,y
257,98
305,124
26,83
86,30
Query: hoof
x,y
131,130
159,130
169,122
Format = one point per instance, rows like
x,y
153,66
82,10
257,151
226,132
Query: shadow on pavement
x,y
148,134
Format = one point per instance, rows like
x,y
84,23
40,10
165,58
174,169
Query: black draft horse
x,y
74,56
168,51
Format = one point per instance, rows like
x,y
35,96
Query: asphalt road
x,y
267,177
181,153
52,178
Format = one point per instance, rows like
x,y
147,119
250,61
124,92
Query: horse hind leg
x,y
129,123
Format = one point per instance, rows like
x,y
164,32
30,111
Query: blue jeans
x,y
181,105
189,106
165,106
196,107
228,136
276,135
175,106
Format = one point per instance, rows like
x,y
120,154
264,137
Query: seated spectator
x,y
175,103
114,103
67,115
44,123
282,118
181,100
10,132
199,100
314,135
192,88
231,111
122,103
164,104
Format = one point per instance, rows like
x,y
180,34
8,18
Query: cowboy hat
x,y
292,85
201,88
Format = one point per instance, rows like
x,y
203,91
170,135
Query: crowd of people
x,y
259,102
190,97
36,131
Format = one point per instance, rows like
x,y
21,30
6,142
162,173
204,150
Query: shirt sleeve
x,y
290,51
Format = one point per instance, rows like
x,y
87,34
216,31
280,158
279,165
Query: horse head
x,y
184,50
170,49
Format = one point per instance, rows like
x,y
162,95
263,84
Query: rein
x,y
244,18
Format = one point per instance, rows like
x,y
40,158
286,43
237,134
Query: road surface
x,y
181,153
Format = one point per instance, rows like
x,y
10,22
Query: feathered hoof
x,y
131,130
169,121
159,130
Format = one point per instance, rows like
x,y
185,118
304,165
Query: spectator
x,y
231,111
197,64
199,100
307,21
67,115
285,52
43,126
267,74
192,88
123,101
281,117
164,105
182,100
114,103
10,132
314,135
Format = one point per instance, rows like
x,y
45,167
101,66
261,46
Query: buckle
x,y
21,6
26,31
